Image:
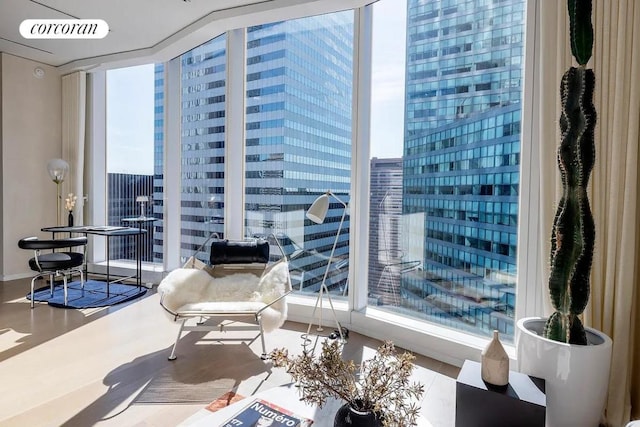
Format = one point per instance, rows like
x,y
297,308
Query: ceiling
x,y
142,30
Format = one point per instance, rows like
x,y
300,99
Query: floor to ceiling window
x,y
445,175
445,143
298,141
131,131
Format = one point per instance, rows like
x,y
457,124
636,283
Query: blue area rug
x,y
95,294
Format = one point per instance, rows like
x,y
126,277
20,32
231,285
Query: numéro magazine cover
x,y
260,413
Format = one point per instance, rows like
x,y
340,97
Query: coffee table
x,y
285,396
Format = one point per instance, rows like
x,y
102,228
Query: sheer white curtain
x,y
615,197
553,57
74,96
615,180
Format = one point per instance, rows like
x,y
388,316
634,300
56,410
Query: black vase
x,y
70,219
349,417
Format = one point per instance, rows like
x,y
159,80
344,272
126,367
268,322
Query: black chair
x,y
55,264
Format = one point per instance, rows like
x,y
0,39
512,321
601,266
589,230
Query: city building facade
x,y
461,159
386,255
123,189
297,140
443,243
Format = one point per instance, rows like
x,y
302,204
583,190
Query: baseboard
x,y
17,276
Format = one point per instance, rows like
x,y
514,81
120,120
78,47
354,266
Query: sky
x,y
130,120
387,79
130,99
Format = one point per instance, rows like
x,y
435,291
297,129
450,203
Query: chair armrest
x,y
192,259
35,243
171,312
273,302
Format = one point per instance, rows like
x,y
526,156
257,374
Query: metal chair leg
x,y
52,283
64,284
264,348
173,351
81,280
32,284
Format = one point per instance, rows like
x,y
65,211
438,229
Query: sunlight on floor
x,y
10,338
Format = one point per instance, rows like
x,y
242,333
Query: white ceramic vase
x,y
576,376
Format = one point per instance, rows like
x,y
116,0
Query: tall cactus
x,y
573,234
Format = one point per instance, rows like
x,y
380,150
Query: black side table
x,y
521,403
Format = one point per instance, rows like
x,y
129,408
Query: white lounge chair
x,y
239,282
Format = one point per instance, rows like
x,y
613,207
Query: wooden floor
x,y
109,366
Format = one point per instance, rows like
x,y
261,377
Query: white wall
x,y
30,135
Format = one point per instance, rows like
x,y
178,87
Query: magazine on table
x,y
261,413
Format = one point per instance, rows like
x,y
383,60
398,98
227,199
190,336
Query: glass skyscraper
x,y
462,157
203,112
157,193
298,136
443,221
297,140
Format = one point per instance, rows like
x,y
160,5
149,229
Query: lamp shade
x,y
142,199
318,210
57,169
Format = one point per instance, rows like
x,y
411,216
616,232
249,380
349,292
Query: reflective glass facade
x,y
203,81
457,233
463,58
298,139
462,157
443,217
158,162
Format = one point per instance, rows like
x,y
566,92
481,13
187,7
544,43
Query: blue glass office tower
x,y
297,139
462,156
298,136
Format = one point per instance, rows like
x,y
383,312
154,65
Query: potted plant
x,y
376,393
573,360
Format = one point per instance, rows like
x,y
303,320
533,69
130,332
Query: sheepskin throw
x,y
196,291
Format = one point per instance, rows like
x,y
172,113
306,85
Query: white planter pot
x,y
576,376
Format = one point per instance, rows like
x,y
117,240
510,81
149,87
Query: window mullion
x,y
234,167
96,157
359,208
172,165
529,292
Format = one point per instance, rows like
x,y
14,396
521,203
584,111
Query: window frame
x,y
429,339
